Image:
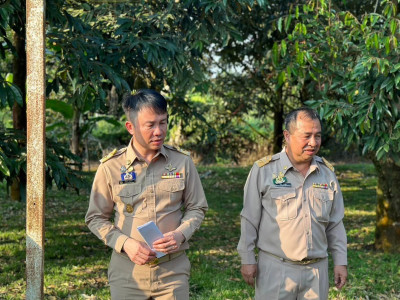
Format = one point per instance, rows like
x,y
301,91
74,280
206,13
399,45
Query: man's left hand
x,y
170,242
340,273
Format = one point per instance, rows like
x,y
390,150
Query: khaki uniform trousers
x,y
165,281
277,279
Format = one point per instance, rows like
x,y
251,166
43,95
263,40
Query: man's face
x,y
149,130
304,139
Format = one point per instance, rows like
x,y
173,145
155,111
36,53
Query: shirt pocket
x,y
173,189
129,196
322,201
286,203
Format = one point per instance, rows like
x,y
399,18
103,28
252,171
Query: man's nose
x,y
312,142
157,130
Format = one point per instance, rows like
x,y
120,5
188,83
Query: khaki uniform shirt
x,y
297,219
172,203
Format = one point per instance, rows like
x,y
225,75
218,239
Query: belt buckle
x,y
309,261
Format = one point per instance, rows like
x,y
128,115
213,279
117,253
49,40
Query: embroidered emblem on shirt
x,y
123,169
280,180
183,151
170,175
108,156
263,161
320,185
128,177
328,164
170,168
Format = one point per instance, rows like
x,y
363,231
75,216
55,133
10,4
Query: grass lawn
x,y
76,261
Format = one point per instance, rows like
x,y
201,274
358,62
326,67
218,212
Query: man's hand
x,y
249,273
138,252
340,273
170,242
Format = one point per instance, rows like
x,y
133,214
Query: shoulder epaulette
x,y
112,154
328,164
263,161
177,149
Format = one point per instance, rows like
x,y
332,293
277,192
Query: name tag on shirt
x,y
286,184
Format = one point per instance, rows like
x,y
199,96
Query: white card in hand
x,y
150,234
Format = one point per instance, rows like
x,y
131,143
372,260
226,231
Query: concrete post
x,y
36,142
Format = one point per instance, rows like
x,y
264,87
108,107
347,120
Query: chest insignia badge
x,y
128,177
279,179
170,168
129,208
170,175
320,185
123,169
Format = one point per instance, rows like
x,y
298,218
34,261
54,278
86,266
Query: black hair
x,y
132,104
291,117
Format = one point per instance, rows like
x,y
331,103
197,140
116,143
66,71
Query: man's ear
x,y
129,126
286,134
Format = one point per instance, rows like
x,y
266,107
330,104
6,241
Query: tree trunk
x,y
387,235
18,185
76,134
278,123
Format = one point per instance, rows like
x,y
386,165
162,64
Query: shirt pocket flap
x,y
125,191
172,185
283,193
323,195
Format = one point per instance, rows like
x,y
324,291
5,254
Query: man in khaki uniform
x,y
292,212
147,181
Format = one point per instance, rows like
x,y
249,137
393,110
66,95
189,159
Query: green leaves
x,y
3,167
9,93
275,53
279,23
64,108
353,60
288,21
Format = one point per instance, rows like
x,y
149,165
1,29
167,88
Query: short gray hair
x,y
291,118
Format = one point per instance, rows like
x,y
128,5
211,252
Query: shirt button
x,y
306,215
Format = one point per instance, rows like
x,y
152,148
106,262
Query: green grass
x,y
76,262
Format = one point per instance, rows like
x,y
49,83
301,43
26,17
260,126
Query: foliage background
x,y
230,71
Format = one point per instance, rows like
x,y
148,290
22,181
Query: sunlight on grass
x,y
351,189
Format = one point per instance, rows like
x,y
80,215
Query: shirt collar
x,y
314,163
131,154
286,164
285,161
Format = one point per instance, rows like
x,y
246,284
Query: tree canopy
x,y
350,65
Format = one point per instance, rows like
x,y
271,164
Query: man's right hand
x,y
138,252
249,273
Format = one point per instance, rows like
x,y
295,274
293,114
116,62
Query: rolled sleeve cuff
x,y
248,258
186,231
120,243
339,259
